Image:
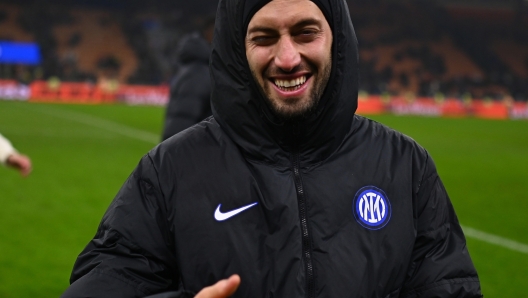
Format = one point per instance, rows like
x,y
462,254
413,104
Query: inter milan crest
x,y
372,208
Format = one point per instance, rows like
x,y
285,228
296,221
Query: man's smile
x,y
293,86
290,85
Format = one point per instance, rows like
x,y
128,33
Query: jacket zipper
x,y
306,240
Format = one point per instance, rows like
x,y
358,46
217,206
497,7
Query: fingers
x,y
221,289
20,162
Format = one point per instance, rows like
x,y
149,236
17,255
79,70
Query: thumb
x,y
221,289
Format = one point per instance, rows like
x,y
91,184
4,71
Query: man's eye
x,y
306,35
307,32
262,40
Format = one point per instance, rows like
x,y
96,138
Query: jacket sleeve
x,y
6,149
189,101
441,265
131,254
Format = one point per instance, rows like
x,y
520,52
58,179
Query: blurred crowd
x,y
430,50
406,47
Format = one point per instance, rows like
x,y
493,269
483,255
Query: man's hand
x,y
221,289
20,162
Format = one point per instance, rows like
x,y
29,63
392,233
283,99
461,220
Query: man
x,y
284,192
11,158
190,92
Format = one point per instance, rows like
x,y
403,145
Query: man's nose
x,y
287,56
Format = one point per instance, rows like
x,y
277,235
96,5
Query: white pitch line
x,y
155,139
111,126
494,239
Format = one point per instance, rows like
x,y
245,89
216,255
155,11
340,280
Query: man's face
x,y
288,47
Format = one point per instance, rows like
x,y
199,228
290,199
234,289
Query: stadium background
x,y
451,74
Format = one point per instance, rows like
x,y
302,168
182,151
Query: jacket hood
x,y
192,47
242,111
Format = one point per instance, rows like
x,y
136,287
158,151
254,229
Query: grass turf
x,y
81,159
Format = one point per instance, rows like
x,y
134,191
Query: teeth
x,y
292,83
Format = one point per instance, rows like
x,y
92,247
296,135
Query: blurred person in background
x,y
190,90
11,158
284,192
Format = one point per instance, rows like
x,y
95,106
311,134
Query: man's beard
x,y
285,111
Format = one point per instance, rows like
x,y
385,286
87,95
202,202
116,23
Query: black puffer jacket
x,y
333,206
190,93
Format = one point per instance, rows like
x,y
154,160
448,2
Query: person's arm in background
x,y
189,100
11,158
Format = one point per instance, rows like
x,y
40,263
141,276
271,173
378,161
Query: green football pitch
x,y
83,153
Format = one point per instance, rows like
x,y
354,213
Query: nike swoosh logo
x,y
220,216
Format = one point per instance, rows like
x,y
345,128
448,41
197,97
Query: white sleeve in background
x,y
6,149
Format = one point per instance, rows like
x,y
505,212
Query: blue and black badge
x,y
372,208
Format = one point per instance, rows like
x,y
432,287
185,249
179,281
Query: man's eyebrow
x,y
262,29
307,22
299,24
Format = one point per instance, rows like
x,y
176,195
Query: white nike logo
x,y
220,216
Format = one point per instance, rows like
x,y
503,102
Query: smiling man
x,y
284,192
289,54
